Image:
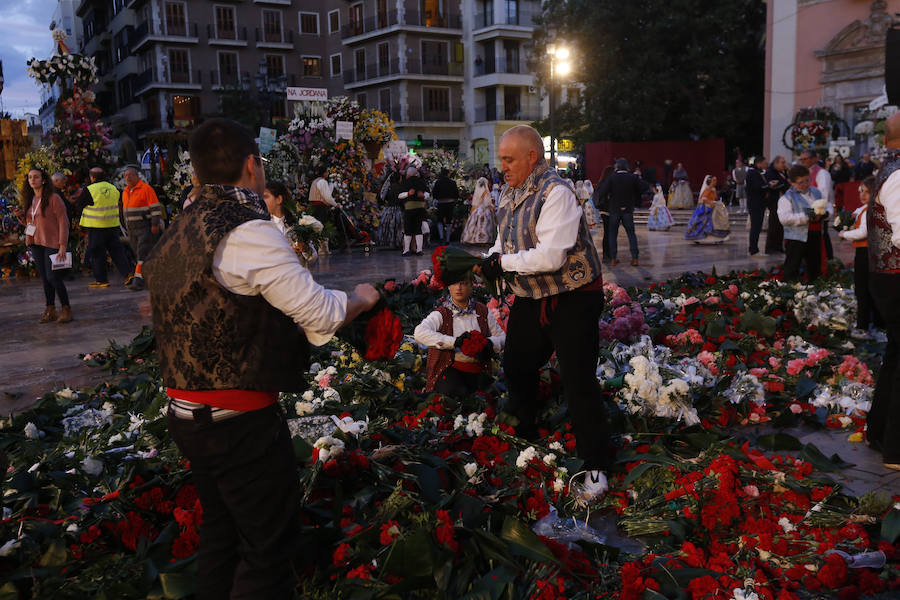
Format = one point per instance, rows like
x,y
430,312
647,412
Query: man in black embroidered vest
x,y
883,218
545,245
234,313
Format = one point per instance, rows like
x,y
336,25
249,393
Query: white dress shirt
x,y
255,258
826,187
889,197
861,232
786,213
557,232
325,190
428,332
280,224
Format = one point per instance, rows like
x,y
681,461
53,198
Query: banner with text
x,y
302,94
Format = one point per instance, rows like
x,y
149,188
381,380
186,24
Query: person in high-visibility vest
x,y
143,219
101,220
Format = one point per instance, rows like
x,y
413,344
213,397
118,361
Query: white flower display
x,y
864,128
471,468
31,431
310,221
474,424
349,426
744,594
525,457
852,397
833,308
820,207
745,388
88,418
329,447
92,466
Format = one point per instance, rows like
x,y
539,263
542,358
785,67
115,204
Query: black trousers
x,y
866,312
247,482
573,333
412,221
883,420
456,383
445,211
809,253
757,214
605,218
775,235
102,241
52,280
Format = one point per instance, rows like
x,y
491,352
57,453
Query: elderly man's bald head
x,y
892,132
525,135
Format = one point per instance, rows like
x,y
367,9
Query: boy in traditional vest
x,y
802,211
448,331
866,314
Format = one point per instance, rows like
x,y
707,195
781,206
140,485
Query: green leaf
x,y
428,481
492,585
753,321
8,592
818,460
779,441
412,555
890,526
523,541
302,450
638,471
55,554
177,585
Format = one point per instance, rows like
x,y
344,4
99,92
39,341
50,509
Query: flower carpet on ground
x,y
415,496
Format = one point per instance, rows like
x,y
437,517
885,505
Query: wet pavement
x,y
39,358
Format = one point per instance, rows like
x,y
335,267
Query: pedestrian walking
x,y
100,219
624,194
143,220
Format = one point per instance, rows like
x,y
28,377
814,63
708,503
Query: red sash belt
x,y
245,400
548,304
468,367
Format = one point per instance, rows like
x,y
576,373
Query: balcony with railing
x,y
426,66
179,80
231,80
524,17
226,37
372,71
377,24
167,31
499,65
275,39
434,65
446,115
512,113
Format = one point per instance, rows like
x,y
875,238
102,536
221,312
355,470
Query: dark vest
x,y
884,257
207,337
440,360
518,219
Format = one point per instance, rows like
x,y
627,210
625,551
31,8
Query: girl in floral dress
x,y
660,218
584,190
390,226
481,226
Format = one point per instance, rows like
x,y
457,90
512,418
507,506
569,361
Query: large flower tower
x,y
78,140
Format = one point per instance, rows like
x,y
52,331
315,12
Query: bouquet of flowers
x,y
844,221
474,345
448,260
375,334
308,230
374,126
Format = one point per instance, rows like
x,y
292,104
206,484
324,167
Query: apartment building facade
x,y
449,72
64,18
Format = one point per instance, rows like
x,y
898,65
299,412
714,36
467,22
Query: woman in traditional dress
x,y
583,192
660,218
390,226
680,196
481,226
709,223
277,199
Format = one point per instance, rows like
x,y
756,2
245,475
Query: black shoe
x,y
405,253
419,253
137,285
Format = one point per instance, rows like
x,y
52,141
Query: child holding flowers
x,y
803,212
461,336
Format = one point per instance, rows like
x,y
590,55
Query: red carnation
x,y
384,333
437,264
477,346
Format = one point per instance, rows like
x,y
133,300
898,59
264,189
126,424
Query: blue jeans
x,y
627,220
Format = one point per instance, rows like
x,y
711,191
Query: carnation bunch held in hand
x,y
450,262
475,345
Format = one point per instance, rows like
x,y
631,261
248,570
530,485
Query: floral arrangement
x,y
342,108
79,137
873,128
844,221
308,230
812,128
81,70
406,495
374,127
474,345
182,172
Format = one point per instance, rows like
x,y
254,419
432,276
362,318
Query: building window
x,y
512,103
486,18
179,65
311,66
511,54
126,96
434,58
384,59
436,103
225,29
335,65
272,26
118,5
512,12
361,100
176,18
185,111
228,69
359,58
275,65
309,23
356,19
432,13
384,101
381,13
334,21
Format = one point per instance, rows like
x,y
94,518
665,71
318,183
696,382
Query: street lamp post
x,y
558,66
268,86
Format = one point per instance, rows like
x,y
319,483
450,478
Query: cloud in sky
x,y
24,34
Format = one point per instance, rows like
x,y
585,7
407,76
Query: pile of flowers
x,y
411,495
79,137
374,127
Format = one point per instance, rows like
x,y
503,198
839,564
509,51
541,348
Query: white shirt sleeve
x,y
825,185
557,232
858,233
787,216
498,336
256,259
889,197
427,332
325,189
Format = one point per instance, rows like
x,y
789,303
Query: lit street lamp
x,y
559,66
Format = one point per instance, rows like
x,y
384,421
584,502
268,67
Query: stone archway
x,y
853,63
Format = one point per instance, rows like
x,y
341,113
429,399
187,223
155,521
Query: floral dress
x,y
660,218
708,222
390,225
481,226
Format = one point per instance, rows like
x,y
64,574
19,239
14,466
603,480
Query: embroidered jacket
x,y
884,257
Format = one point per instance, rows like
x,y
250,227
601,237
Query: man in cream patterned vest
x,y
544,248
